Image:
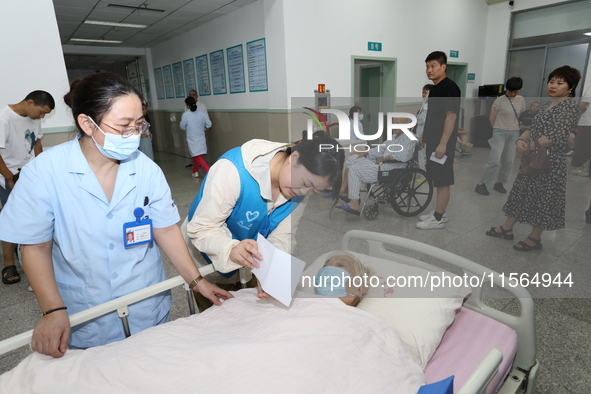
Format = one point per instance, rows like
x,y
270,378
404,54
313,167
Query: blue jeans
x,y
502,153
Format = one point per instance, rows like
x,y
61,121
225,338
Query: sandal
x,y
8,273
343,198
503,234
523,247
347,208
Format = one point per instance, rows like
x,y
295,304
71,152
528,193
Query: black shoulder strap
x,y
512,106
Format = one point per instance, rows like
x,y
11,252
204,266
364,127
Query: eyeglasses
x,y
141,128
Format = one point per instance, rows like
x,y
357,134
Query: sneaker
x,y
431,223
580,171
481,189
499,187
569,153
195,175
422,218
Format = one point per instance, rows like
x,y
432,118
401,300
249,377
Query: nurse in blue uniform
x,y
73,212
256,188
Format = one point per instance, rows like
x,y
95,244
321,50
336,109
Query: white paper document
x,y
436,160
279,272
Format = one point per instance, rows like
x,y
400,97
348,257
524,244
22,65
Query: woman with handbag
x,y
538,196
504,118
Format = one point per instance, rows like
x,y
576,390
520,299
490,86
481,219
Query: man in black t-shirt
x,y
439,136
526,116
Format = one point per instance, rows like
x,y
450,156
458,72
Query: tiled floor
x,y
563,316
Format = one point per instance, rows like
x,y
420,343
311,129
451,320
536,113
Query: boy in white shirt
x,y
20,142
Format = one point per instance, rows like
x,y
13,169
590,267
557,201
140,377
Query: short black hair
x,y
514,83
41,99
441,57
428,87
569,74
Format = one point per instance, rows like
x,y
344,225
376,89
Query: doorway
x,y
374,90
458,72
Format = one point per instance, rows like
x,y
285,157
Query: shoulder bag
x,y
536,161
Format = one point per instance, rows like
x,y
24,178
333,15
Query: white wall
x,y
261,19
321,37
32,57
311,42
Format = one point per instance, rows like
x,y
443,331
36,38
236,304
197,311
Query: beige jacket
x,y
207,231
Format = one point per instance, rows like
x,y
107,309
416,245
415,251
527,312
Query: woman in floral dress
x,y
539,200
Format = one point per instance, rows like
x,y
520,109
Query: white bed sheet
x,y
247,345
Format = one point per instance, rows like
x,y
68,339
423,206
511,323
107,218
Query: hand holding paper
x,y
279,272
436,160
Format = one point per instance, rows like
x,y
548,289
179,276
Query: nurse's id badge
x,y
138,232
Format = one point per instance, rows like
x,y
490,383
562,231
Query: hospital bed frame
x,y
119,305
521,378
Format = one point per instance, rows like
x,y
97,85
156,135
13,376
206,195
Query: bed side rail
x,y
524,324
483,374
119,304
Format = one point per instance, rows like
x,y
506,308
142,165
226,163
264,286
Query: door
x,y
370,93
534,66
458,72
572,55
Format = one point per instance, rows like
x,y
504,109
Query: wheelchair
x,y
407,190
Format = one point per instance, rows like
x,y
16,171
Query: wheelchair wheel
x,y
370,212
411,192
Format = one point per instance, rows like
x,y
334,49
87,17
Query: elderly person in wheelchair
x,y
363,167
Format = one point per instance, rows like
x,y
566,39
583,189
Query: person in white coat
x,y
195,122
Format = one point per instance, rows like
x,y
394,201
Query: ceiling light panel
x,y
89,40
115,24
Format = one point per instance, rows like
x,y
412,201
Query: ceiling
x,y
178,16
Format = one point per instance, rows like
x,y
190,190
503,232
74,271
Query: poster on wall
x,y
218,72
189,71
235,57
257,65
203,75
168,89
179,82
159,83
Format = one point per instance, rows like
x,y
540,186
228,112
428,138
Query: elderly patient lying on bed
x,y
248,345
336,278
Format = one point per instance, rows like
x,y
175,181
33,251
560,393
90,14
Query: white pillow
x,y
419,322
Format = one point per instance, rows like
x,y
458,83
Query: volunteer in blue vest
x,y
256,188
90,215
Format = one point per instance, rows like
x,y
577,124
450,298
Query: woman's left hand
x,y
261,293
521,146
212,292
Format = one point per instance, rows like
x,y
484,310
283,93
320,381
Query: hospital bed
x,y
507,363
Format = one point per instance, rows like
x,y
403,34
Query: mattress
x,y
465,343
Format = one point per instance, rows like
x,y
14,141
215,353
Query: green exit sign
x,y
454,53
374,46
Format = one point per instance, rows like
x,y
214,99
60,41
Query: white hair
x,y
359,268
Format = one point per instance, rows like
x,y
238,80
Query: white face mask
x,y
115,146
360,117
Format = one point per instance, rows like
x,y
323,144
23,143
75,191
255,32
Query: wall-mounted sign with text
x,y
374,46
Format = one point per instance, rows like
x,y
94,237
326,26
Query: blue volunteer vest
x,y
249,216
